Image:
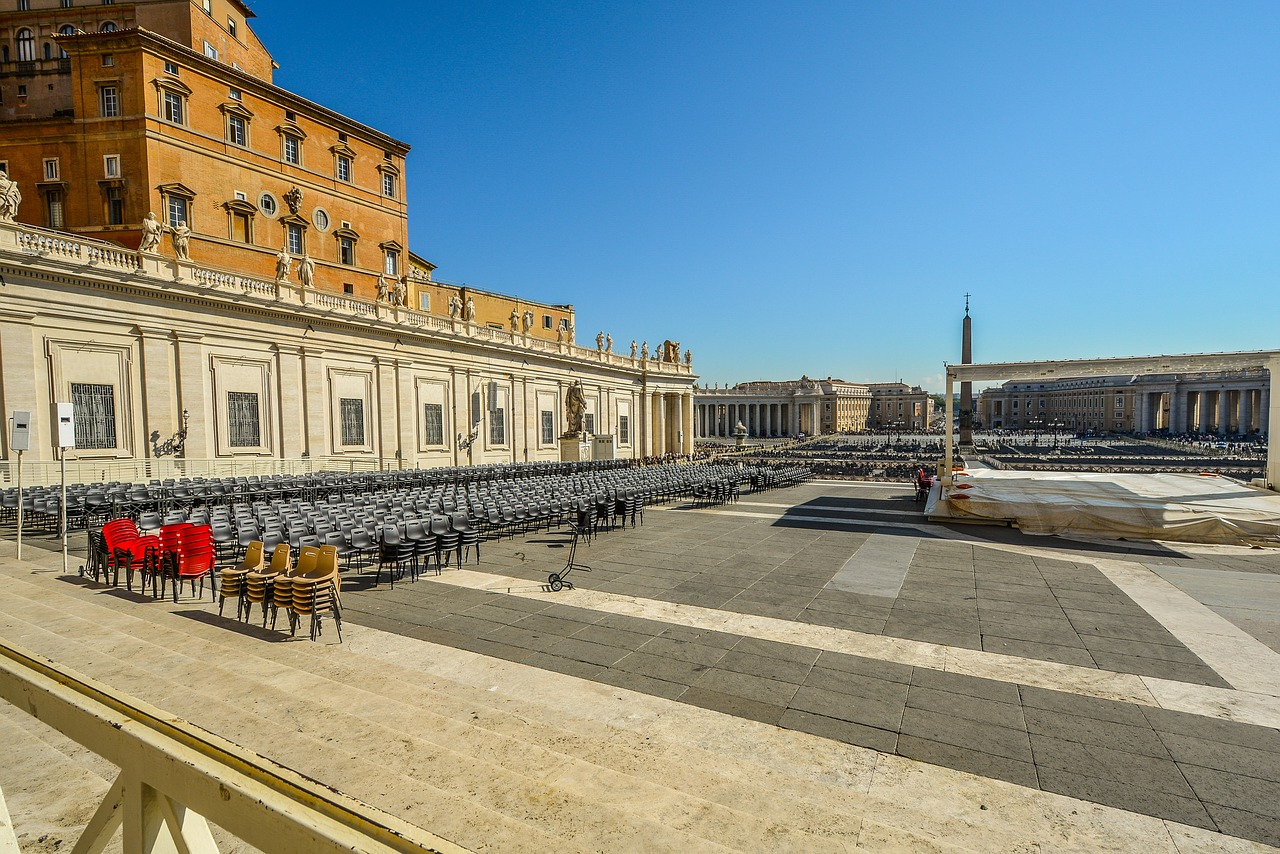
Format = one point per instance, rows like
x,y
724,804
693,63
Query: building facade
x,y
257,370
1221,402
778,409
898,406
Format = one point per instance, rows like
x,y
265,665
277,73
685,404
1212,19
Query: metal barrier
x,y
176,777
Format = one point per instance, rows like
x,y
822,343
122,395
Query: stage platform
x,y
1191,508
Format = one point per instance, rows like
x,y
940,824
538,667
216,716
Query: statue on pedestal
x,y
608,343
644,351
400,293
307,271
575,408
633,348
10,198
528,322
470,311
181,241
384,291
455,307
284,261
559,334
688,357
151,231
515,321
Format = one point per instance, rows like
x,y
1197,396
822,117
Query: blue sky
x,y
812,187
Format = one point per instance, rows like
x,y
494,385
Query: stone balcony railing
x,y
168,273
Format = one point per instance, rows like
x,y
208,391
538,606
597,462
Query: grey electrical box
x,y
21,439
66,425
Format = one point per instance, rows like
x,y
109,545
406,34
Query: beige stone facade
x,y
272,372
898,406
1222,402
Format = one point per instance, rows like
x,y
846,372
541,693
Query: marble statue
x,y
575,407
688,357
559,334
384,292
608,343
151,231
644,351
399,293
572,332
284,261
515,321
307,271
633,348
455,307
10,198
528,322
599,340
470,311
182,241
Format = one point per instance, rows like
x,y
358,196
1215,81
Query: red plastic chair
x,y
128,547
189,554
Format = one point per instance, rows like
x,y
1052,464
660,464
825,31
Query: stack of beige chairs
x,y
259,587
233,579
315,591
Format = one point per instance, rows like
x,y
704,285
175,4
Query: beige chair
x,y
282,589
233,578
259,587
317,592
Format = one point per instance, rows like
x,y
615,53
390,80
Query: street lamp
x,y
1056,425
1036,424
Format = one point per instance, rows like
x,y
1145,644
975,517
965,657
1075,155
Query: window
x,y
53,210
292,149
178,208
108,102
234,94
424,301
546,321
344,168
231,27
51,169
433,424
24,5
388,185
170,68
237,133
111,166
548,427
210,51
348,289
26,45
293,238
95,413
347,251
174,107
391,263
66,4
321,219
498,427
108,60
624,429
244,428
267,203
109,27
115,206
351,412
589,422
207,5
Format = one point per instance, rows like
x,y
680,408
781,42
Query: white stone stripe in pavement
x,y
1126,687
877,568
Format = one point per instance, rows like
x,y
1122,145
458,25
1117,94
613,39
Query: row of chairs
x,y
178,552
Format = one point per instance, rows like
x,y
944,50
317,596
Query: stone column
x,y
21,387
659,425
194,395
1177,410
1202,411
1264,407
646,419
686,419
1246,410
672,415
1224,415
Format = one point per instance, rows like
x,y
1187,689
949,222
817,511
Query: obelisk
x,y
966,387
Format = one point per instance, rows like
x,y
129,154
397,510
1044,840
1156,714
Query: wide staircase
x,y
490,755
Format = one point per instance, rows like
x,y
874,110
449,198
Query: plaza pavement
x,y
813,668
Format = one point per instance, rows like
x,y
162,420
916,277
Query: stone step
x,y
180,666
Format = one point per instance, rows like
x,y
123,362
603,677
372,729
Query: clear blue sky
x,y
812,187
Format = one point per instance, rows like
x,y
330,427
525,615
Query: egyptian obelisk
x,y
966,388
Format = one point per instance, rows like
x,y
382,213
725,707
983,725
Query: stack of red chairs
x,y
188,554
127,546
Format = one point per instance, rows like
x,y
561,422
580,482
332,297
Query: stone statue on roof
x,y
10,198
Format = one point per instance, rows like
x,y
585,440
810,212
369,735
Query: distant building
x,y
776,409
1222,402
899,406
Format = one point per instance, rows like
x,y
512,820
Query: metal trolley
x,y
558,580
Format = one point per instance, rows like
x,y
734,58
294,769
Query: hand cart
x,y
557,580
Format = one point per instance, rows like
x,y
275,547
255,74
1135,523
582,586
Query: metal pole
x,y
63,507
948,442
20,514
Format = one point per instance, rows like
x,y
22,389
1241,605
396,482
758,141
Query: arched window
x,y
26,45
48,50
65,30
109,27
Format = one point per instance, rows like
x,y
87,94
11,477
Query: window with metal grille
x,y
589,423
624,429
548,427
95,413
351,411
433,424
243,424
498,427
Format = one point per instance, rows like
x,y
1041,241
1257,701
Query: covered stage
x,y
1182,507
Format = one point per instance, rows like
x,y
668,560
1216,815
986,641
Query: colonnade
x,y
1224,411
669,427
761,420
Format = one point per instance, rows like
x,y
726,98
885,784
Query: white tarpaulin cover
x,y
1184,507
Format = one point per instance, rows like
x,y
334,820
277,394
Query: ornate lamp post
x,y
175,445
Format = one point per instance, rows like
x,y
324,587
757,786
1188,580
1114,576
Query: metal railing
x,y
175,777
48,472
